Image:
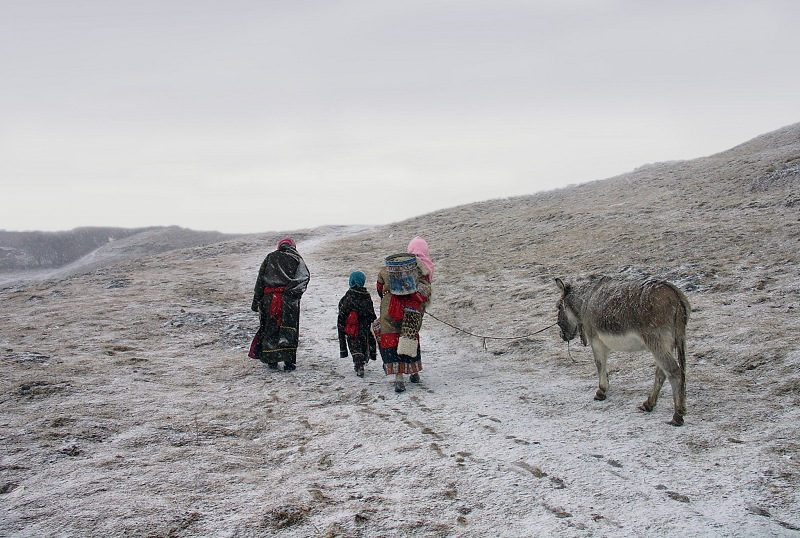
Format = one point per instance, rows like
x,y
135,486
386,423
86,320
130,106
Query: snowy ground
x,y
129,406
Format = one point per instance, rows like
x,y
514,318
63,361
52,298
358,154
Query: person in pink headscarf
x,y
397,329
282,280
419,247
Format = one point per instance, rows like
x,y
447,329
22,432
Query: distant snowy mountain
x,y
27,251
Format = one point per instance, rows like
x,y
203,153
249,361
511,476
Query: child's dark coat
x,y
362,343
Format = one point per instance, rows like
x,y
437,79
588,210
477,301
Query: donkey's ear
x,y
565,288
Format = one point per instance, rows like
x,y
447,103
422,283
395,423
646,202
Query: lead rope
x,y
487,337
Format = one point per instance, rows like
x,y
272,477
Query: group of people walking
x,y
283,278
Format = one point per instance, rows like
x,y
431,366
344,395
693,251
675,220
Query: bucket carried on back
x,y
402,272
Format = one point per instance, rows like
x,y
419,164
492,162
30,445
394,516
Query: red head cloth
x,y
419,247
287,241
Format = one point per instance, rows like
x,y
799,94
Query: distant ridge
x,y
36,251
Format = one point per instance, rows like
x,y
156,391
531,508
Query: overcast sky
x,y
252,116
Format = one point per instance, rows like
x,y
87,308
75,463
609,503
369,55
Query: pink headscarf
x,y
419,247
287,240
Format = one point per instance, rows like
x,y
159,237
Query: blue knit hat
x,y
357,278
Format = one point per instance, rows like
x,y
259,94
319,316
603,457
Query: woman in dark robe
x,y
282,279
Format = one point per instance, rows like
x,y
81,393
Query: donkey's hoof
x,y
600,396
646,407
676,421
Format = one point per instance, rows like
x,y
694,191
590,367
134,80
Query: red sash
x,y
351,325
276,305
398,304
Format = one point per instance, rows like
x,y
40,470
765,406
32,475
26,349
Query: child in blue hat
x,y
356,314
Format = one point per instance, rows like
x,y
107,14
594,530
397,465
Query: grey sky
x,y
248,116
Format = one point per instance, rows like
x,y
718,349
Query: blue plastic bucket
x,y
402,272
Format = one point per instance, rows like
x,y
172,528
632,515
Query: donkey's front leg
x,y
600,352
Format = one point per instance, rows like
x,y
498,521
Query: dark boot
x,y
414,378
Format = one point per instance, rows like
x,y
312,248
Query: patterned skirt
x,y
400,364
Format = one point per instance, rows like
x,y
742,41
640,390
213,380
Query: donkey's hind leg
x,y
665,360
658,382
678,384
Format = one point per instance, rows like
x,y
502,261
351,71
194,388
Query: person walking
x,y
356,314
401,315
282,280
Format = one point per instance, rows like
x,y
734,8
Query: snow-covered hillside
x,y
130,407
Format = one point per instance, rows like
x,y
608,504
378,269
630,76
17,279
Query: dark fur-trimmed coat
x,y
358,300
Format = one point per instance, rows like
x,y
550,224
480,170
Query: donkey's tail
x,y
681,320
